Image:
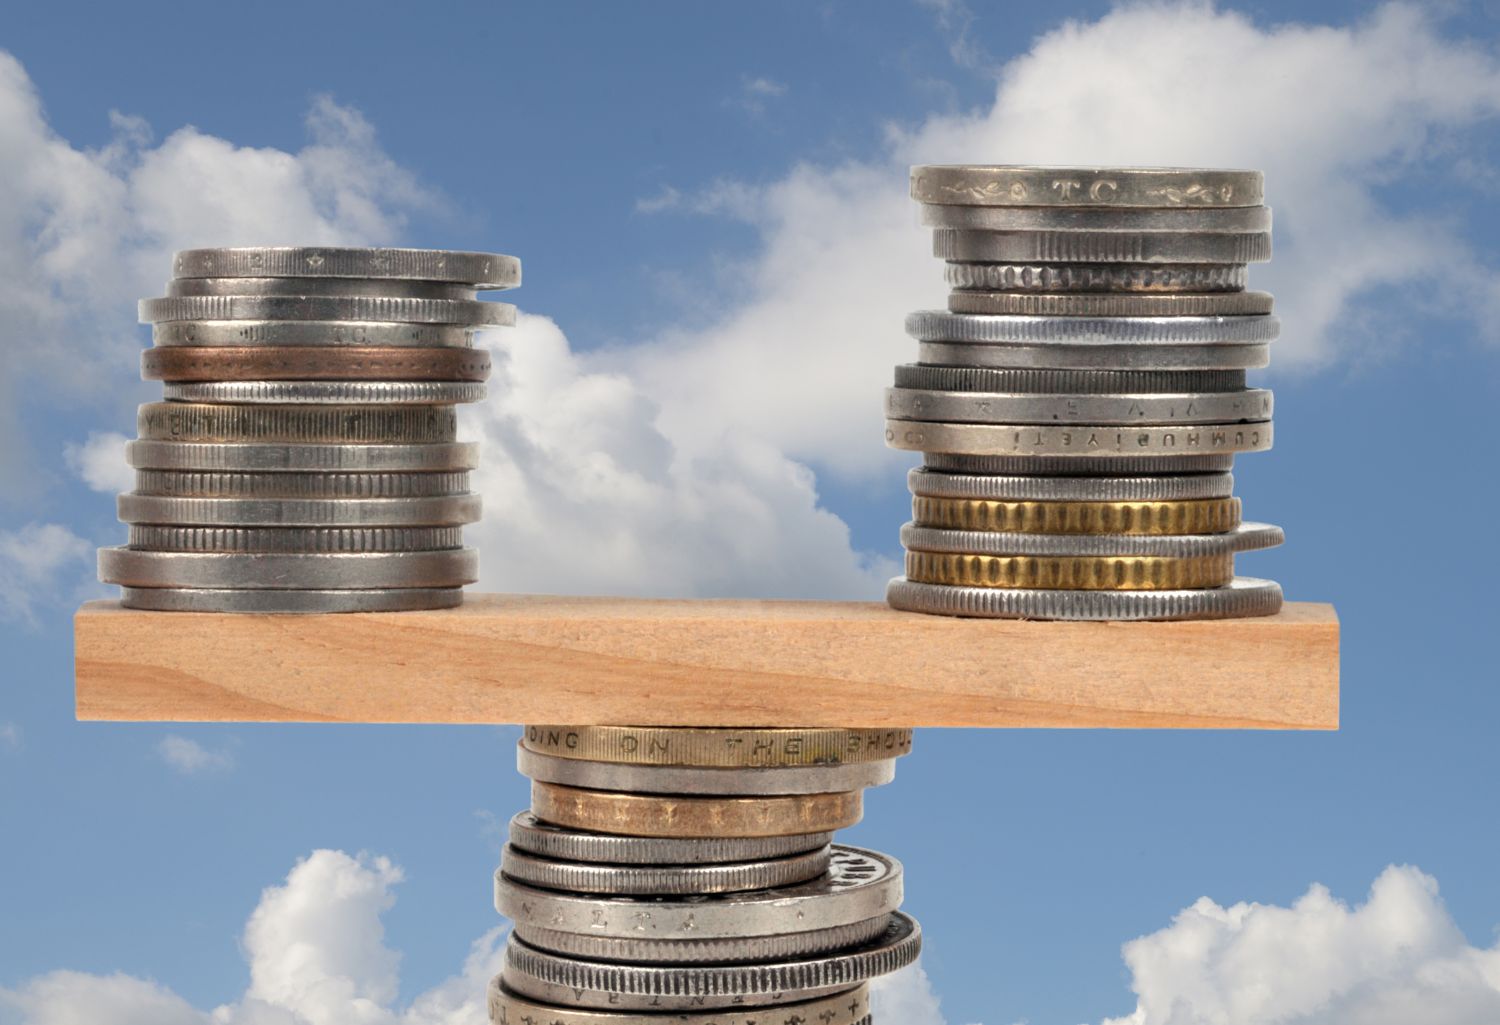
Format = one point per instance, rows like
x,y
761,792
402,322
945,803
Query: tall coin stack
x,y
689,875
304,458
1080,402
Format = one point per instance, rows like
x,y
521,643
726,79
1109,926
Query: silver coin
x,y
383,287
1244,596
434,511
553,994
343,571
300,333
1107,304
208,484
1098,247
263,458
1091,441
674,779
1093,356
727,950
1164,488
478,270
1244,538
859,885
676,987
1081,382
849,1007
529,833
1097,277
993,407
942,326
349,307
1023,185
394,393
1219,221
662,880
1063,466
163,538
198,599
296,424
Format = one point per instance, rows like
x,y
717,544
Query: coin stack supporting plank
x,y
304,458
689,875
1081,401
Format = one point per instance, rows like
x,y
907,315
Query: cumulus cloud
x,y
99,461
1396,959
41,564
191,758
316,954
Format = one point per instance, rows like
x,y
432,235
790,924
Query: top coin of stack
x,y
305,457
1080,402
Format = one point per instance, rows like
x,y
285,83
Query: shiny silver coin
x,y
674,779
1081,382
264,458
1139,408
727,950
859,885
1024,185
447,568
386,288
1244,538
1094,356
849,1007
296,424
478,270
435,511
529,833
350,307
1098,247
675,987
1092,441
1063,466
1095,304
1212,221
208,484
662,880
198,599
1164,488
1244,596
392,393
942,326
1097,277
162,538
300,333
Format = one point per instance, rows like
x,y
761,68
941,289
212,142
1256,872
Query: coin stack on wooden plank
x,y
1080,402
689,875
304,458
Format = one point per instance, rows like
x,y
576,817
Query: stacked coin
x,y
692,872
304,458
1080,402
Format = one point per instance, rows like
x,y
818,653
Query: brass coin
x,y
1183,516
717,748
314,363
1070,572
602,811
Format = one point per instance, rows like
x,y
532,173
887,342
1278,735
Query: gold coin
x,y
604,811
717,748
1070,572
1184,516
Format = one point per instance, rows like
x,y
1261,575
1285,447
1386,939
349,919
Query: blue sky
x,y
709,204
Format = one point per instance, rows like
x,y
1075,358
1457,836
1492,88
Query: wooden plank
x,y
531,658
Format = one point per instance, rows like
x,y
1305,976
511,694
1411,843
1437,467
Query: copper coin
x,y
314,363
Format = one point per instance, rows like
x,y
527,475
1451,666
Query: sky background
x,y
710,204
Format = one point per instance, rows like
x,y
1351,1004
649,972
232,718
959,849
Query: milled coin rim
x,y
799,1013
1248,536
245,457
697,780
1242,597
528,833
662,880
1019,488
1095,356
1022,329
473,313
177,510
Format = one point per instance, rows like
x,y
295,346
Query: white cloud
x,y
905,996
191,758
100,461
756,91
10,736
1396,959
41,564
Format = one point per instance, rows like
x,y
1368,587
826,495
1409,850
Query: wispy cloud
x,y
756,92
10,736
41,565
191,758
